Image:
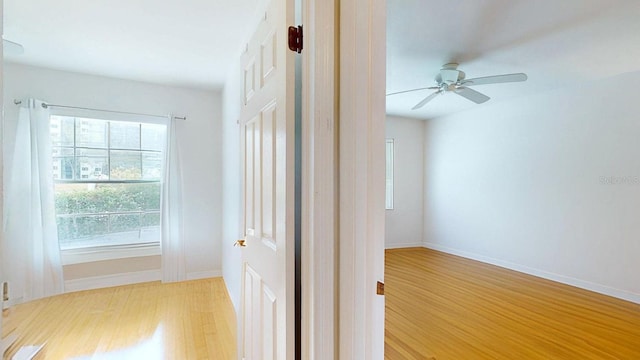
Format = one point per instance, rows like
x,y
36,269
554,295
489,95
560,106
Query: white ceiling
x,y
190,42
556,42
185,43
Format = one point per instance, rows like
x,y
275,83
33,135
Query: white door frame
x,y
362,181
1,156
343,178
319,185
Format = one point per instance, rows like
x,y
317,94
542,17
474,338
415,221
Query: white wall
x,y
404,224
526,184
201,150
231,183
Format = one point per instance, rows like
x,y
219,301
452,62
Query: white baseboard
x,y
96,282
605,290
403,246
196,275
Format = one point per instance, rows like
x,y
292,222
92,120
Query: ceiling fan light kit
x,y
450,74
450,79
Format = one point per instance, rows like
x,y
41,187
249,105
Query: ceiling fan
x,y
450,79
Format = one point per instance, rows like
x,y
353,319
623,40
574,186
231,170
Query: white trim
x,y
404,246
97,282
362,189
85,255
389,173
319,187
197,275
601,289
2,278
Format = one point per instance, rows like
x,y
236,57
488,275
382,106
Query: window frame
x,y
389,173
110,252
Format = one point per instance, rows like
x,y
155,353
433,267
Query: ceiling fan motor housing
x,y
451,76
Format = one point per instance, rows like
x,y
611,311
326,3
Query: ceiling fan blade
x,y
406,91
496,79
472,95
426,100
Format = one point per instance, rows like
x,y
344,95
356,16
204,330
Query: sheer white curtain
x,y
32,254
173,258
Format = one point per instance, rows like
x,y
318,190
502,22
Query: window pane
x,y
150,230
63,164
153,137
126,165
124,135
99,198
389,175
61,129
73,228
55,130
91,133
92,164
92,224
151,220
91,214
66,229
151,165
107,214
82,199
125,222
148,196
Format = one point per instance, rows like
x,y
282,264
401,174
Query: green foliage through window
x,y
97,210
97,198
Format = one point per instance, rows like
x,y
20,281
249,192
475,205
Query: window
x,y
107,182
389,175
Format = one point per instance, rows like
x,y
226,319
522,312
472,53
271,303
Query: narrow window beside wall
x,y
389,175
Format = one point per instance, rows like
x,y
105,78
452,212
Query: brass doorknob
x,y
241,243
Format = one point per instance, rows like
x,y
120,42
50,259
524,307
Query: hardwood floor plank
x,y
185,320
449,307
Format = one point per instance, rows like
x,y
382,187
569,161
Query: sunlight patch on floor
x,y
150,349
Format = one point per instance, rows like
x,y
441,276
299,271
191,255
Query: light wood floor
x,y
450,308
186,320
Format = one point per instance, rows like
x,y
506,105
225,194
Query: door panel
x,y
268,162
267,123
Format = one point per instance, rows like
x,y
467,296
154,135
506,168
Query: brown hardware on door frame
x,y
380,288
295,38
241,243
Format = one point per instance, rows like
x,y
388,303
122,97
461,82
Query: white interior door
x,y
267,143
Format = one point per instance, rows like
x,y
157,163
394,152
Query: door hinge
x,y
295,38
380,288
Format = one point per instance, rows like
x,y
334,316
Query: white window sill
x,y
102,253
